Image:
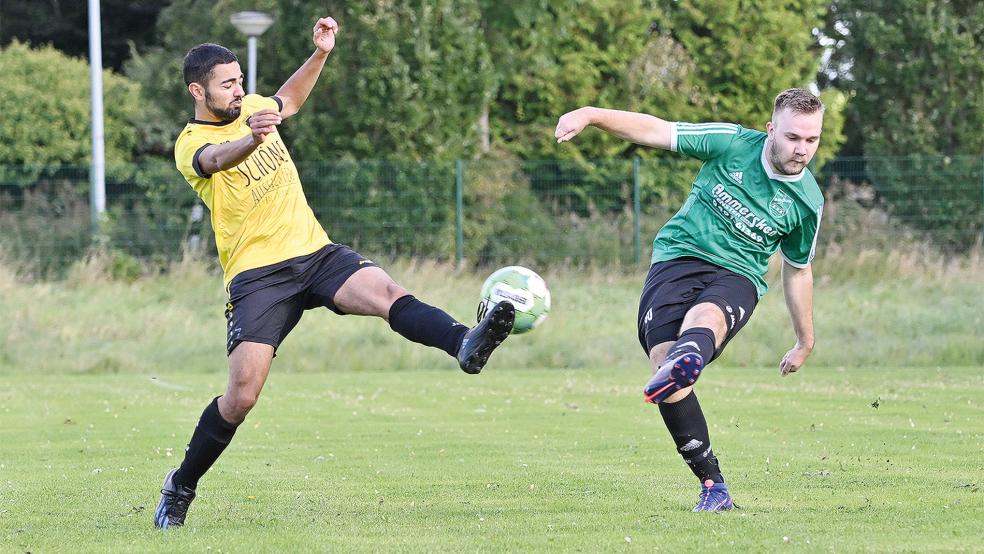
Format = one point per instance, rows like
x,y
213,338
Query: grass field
x,y
362,442
509,460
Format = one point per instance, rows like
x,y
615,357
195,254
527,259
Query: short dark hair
x,y
202,59
799,101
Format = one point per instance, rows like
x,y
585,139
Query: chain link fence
x,y
493,212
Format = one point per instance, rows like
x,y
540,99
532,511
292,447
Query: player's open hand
x,y
793,360
324,34
570,124
264,122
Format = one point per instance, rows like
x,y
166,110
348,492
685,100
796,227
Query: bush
x,y
45,102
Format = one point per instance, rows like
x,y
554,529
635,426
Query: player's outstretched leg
x,y
371,291
173,507
482,339
714,497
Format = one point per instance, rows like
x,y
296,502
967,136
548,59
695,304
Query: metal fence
x,y
481,211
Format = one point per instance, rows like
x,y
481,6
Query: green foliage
x,y
714,60
746,52
124,267
692,61
406,80
44,96
833,136
555,56
915,72
384,207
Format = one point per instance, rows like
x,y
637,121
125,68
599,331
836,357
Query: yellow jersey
x,y
259,212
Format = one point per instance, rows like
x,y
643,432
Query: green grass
x,y
175,322
511,460
550,449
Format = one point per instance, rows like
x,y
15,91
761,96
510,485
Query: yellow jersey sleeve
x,y
190,144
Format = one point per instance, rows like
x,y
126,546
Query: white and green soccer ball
x,y
521,287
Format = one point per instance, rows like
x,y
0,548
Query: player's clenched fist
x,y
324,34
264,122
570,124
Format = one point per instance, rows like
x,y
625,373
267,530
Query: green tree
x,y
689,60
45,102
915,73
693,60
406,80
915,69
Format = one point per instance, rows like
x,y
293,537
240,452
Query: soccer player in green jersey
x,y
752,196
277,259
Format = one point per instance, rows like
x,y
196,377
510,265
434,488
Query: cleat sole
x,y
683,373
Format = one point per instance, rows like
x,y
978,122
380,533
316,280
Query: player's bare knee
x,y
240,404
707,315
394,292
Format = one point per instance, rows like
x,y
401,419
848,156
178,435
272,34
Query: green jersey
x,y
740,211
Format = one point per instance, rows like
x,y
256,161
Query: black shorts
x,y
267,302
674,286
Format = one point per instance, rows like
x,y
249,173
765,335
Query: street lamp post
x,y
251,24
97,171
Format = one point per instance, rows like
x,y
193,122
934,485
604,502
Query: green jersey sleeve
x,y
703,141
799,246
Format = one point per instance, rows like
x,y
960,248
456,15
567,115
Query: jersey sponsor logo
x,y
749,224
736,176
780,204
649,316
258,167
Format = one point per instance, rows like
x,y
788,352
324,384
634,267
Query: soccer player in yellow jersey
x,y
278,260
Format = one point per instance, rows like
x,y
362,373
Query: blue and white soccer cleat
x,y
673,375
714,497
173,507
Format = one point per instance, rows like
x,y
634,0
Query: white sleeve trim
x,y
792,263
673,136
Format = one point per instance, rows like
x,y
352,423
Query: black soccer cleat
x,y
482,339
174,503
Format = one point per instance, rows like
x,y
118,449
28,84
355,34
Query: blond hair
x,y
799,101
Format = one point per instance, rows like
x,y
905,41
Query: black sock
x,y
687,426
696,339
210,438
426,324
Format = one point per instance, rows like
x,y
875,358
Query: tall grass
x,y
894,308
883,296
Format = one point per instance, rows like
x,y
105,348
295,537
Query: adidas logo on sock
x,y
694,444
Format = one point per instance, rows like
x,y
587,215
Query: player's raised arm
x,y
295,91
797,284
220,157
639,128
